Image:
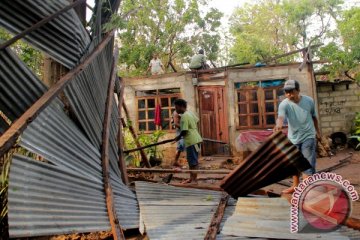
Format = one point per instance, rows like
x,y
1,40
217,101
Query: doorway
x,y
213,120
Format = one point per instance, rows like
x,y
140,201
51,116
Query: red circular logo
x,y
325,205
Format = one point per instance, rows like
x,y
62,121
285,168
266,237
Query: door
x,y
213,119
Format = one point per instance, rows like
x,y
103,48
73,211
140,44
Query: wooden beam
x,y
122,164
291,53
214,227
198,186
133,134
114,222
153,170
148,146
39,24
8,139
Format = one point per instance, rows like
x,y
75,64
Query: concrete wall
x,y
337,108
181,80
305,78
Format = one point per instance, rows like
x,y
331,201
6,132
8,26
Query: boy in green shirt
x,y
192,138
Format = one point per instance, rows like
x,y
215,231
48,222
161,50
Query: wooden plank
x,y
122,164
150,145
114,222
39,24
134,135
8,139
153,170
214,227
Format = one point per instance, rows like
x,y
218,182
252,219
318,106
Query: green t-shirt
x,y
188,123
197,61
299,117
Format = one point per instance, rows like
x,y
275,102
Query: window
x,y
146,105
258,103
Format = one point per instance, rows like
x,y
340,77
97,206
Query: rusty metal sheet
x,y
269,218
169,212
275,160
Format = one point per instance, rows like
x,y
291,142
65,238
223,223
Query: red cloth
x,y
158,115
255,135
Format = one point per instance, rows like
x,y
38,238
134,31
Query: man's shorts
x,y
192,155
308,149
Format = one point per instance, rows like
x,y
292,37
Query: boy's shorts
x,y
192,155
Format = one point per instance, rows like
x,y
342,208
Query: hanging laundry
x,y
158,115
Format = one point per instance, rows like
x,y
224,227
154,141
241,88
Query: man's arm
x,y
281,117
279,123
316,124
182,134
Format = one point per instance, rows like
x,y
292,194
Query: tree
x,y
173,29
273,27
344,57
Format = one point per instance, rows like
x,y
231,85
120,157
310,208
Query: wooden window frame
x,y
157,98
261,102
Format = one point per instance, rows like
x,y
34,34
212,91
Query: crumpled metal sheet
x,y
269,218
276,159
52,135
55,137
171,212
63,38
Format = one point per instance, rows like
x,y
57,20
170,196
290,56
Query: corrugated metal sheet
x,y
63,38
269,218
175,213
46,199
55,137
44,195
19,87
275,160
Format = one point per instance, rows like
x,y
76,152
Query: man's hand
x,y
177,138
318,136
277,128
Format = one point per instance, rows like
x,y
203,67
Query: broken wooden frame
x,y
133,134
114,222
122,164
214,227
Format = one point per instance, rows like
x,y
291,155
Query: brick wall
x,y
337,108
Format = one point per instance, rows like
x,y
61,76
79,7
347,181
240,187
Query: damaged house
x,y
237,105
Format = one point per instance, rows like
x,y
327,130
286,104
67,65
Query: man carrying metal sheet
x,y
303,129
180,144
192,138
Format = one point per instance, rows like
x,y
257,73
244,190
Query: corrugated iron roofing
x,y
55,137
175,213
269,218
19,87
275,160
63,38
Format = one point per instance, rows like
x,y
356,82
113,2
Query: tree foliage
x,y
29,55
174,29
272,27
344,58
